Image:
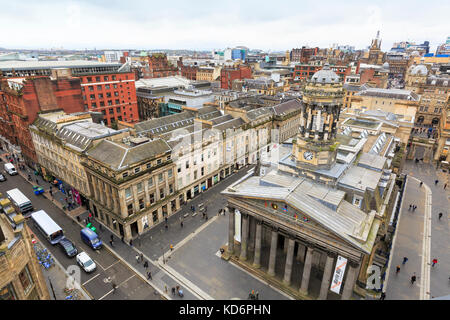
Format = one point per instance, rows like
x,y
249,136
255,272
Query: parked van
x,y
91,238
49,228
9,167
19,200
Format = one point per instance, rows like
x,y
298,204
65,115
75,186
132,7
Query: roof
x,y
325,75
30,65
119,156
286,107
360,178
398,94
372,161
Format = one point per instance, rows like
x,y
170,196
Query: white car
x,y
86,262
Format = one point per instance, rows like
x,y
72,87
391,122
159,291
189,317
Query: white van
x,y
19,200
47,226
9,167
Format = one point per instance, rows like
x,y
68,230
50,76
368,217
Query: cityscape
x,y
224,170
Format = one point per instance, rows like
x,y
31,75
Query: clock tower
x,y
316,145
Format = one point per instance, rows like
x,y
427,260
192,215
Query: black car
x,y
68,247
2,177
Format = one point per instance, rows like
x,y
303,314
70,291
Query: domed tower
x,y
316,145
416,76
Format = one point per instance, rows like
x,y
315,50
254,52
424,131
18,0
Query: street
x,y
109,268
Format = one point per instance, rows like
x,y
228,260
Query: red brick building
x,y
113,94
304,72
229,74
23,98
302,55
189,72
158,67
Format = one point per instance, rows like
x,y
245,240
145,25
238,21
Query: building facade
x,y
229,74
157,66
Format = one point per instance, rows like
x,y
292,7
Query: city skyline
x,y
205,26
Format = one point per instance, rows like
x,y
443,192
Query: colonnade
x,y
304,253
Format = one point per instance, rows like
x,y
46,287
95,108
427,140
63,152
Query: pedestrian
x,y
404,260
421,183
111,242
397,269
410,207
171,247
114,286
413,278
445,186
112,237
440,215
382,296
173,291
181,223
146,264
165,219
141,256
78,218
177,288
131,242
149,276
165,287
434,262
137,258
436,182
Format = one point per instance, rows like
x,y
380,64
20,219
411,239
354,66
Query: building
x,y
304,72
157,66
113,56
61,141
223,96
316,204
415,77
302,55
21,276
444,49
149,102
208,73
229,74
374,75
262,85
187,71
398,64
132,184
22,100
190,98
106,87
375,53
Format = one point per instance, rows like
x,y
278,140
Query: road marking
x,y
99,264
106,294
112,265
91,279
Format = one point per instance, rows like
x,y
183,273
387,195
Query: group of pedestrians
x,y
413,277
412,207
253,295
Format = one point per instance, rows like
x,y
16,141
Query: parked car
x,y
2,177
68,247
86,262
9,167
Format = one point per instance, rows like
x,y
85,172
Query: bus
x,y
18,199
52,232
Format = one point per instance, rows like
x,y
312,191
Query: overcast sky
x,y
208,24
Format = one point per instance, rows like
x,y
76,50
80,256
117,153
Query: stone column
x,y
231,232
289,259
273,252
244,237
258,241
301,252
326,276
285,244
350,280
307,270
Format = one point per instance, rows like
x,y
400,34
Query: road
x,y
130,285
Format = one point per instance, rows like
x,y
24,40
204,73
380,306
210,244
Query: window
x,y
170,189
114,77
97,79
168,157
195,161
130,209
106,78
152,198
91,88
107,86
99,87
203,171
92,96
119,118
136,170
187,164
357,200
104,112
26,280
195,175
108,94
141,204
100,95
157,161
128,192
170,173
179,169
111,111
94,105
161,193
116,93
117,101
155,216
150,182
160,177
118,109
109,102
89,79
139,187
149,165
8,293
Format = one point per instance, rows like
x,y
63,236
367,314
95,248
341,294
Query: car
x,y
67,247
86,262
2,177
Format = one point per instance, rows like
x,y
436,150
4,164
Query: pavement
x,y
421,237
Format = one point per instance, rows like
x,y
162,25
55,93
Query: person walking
x,y
436,182
137,259
410,207
146,264
440,215
413,278
171,247
382,296
445,186
114,286
397,269
404,260
181,223
131,242
111,242
173,291
434,262
149,276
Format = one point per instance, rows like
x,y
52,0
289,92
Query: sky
x,y
216,24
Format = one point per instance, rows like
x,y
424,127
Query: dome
x,y
419,70
415,53
326,75
385,65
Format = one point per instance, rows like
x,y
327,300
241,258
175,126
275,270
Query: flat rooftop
x,y
30,65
